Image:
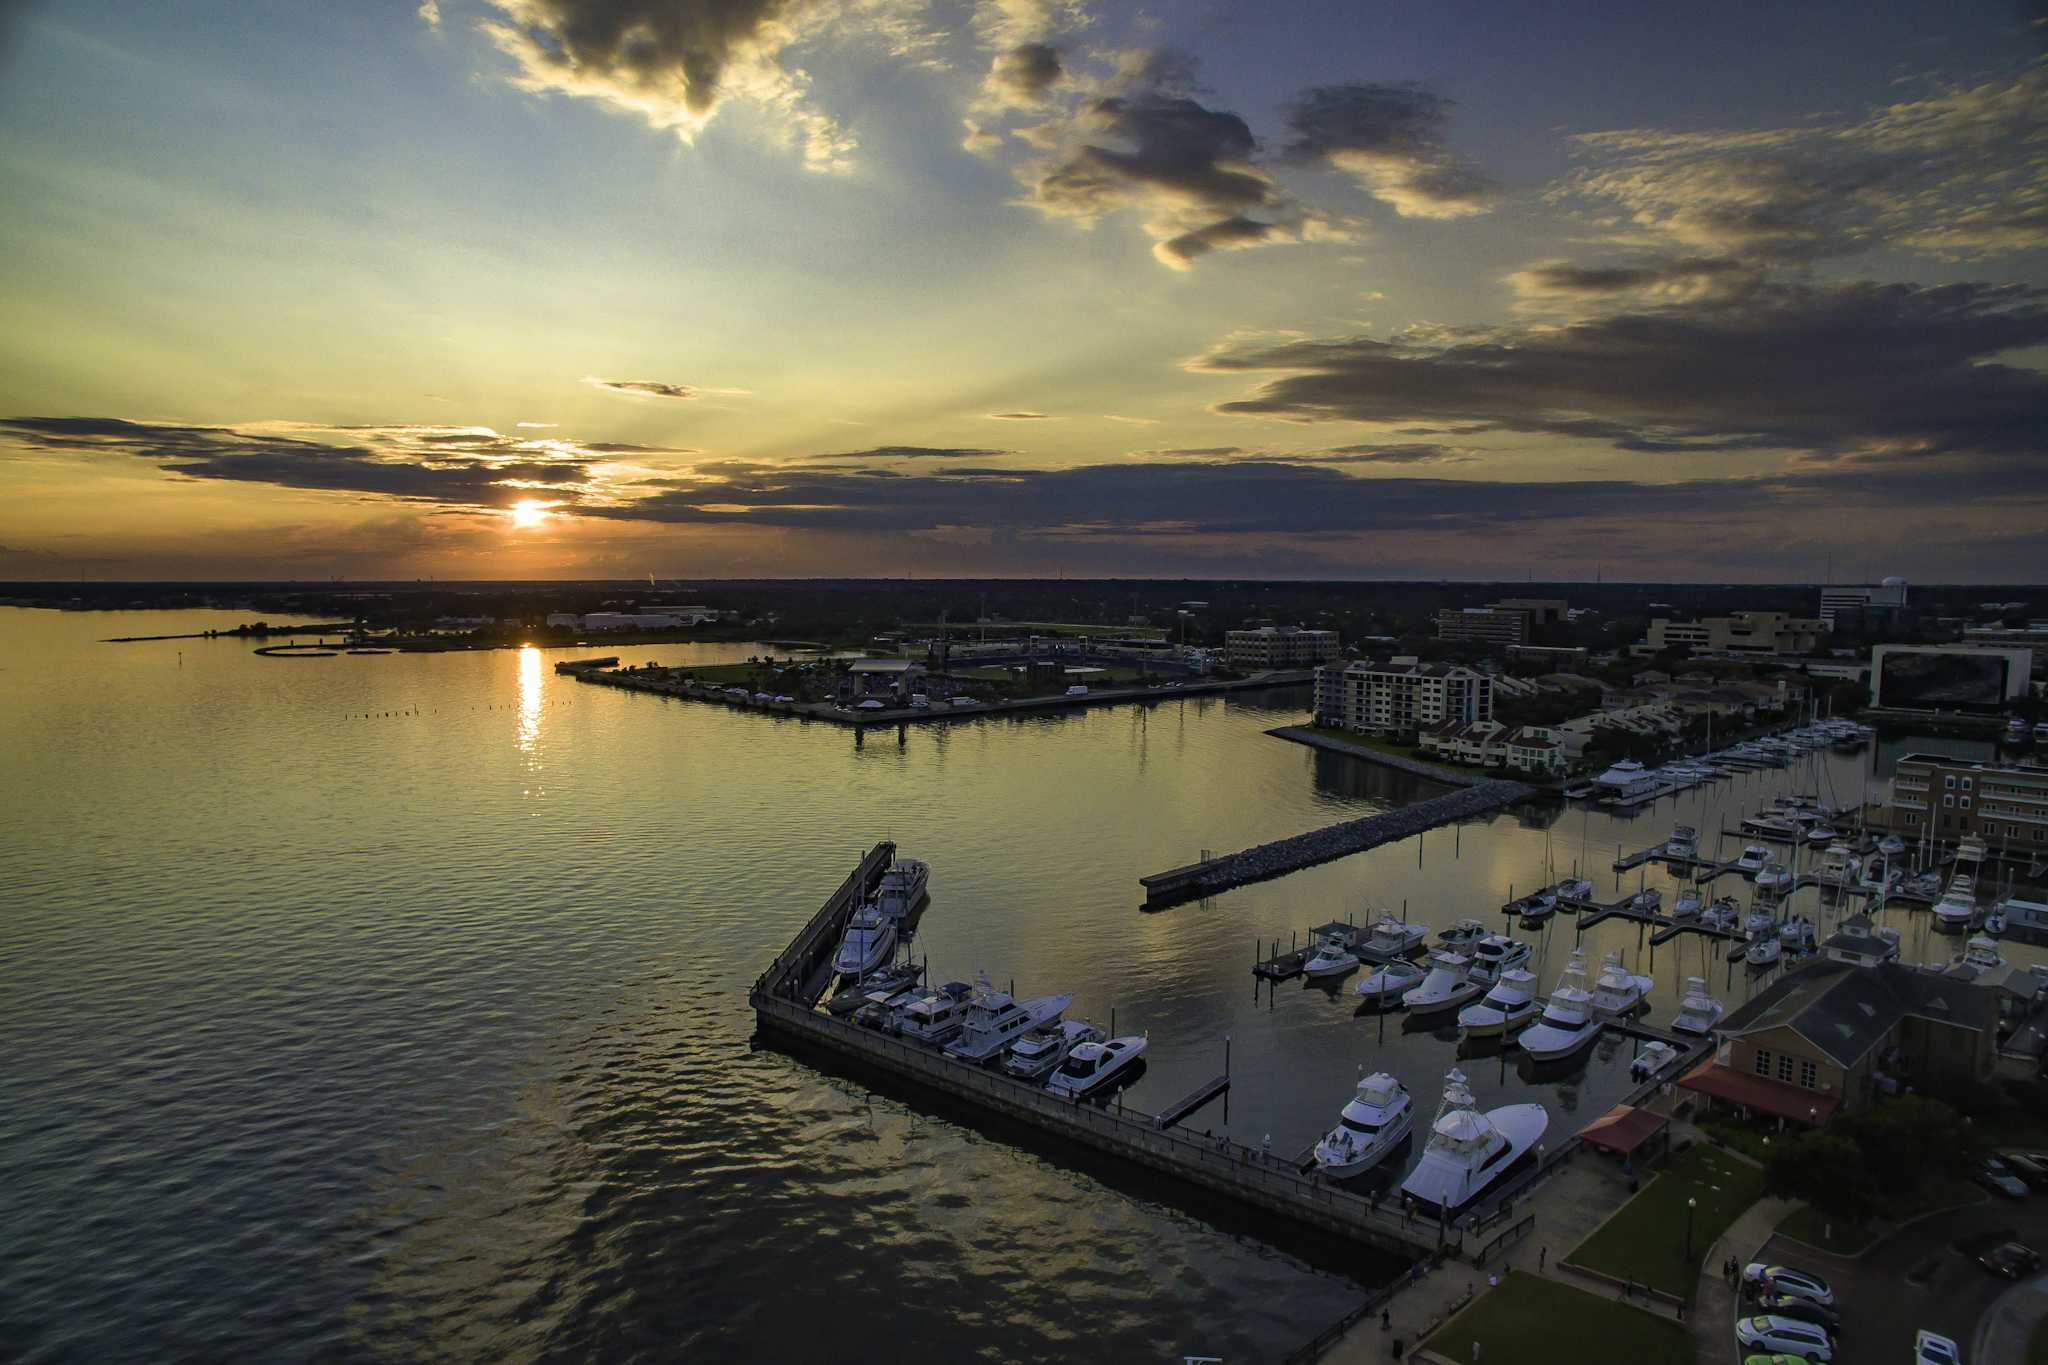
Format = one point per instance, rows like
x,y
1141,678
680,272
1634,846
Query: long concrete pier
x,y
1322,845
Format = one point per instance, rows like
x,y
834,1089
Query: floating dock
x,y
1190,1102
1213,875
784,998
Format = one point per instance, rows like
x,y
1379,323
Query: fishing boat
x,y
1462,936
1699,1011
1957,908
1981,955
902,887
1763,951
933,1017
1034,1055
869,939
1448,985
1333,955
1839,865
1092,1066
1683,844
1390,983
1687,906
1577,889
1567,1023
1752,857
1377,1119
1618,990
1821,833
1774,877
1495,954
1724,914
1652,1059
1798,934
1391,938
1468,1151
1509,1005
993,1020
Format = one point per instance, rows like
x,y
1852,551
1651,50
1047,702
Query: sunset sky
x,y
738,288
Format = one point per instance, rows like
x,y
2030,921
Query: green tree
x,y
1825,1169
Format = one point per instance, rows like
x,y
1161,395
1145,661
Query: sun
x,y
527,513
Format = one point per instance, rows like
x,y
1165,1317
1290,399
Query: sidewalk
x,y
1714,1302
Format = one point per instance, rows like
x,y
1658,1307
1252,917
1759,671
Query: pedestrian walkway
x,y
1714,1302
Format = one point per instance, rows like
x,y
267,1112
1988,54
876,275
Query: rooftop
x,y
1845,1010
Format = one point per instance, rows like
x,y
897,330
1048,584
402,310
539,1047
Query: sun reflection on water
x,y
529,699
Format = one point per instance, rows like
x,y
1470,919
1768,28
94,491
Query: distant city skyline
x,y
528,289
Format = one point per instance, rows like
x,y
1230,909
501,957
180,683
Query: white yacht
x,y
1699,1011
1760,922
1462,936
1332,957
1090,1066
1567,1023
1509,1005
1773,876
1536,910
1390,983
1379,1118
1753,857
1619,991
1891,846
1821,833
1840,865
1763,951
1957,908
902,887
993,1020
869,939
1652,1059
1982,954
1774,826
932,1016
1495,954
1724,914
1468,1152
1448,985
1647,902
1687,906
1798,934
1683,843
1577,889
1046,1046
1392,938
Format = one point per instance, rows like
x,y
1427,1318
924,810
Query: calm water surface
x,y
395,1006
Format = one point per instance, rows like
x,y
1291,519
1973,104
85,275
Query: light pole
x,y
1690,1205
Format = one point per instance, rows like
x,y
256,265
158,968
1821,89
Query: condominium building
x,y
1745,633
1400,696
1946,799
1278,647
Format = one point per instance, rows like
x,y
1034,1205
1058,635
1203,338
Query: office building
x,y
1949,679
1886,599
1746,634
1401,696
1510,621
1278,647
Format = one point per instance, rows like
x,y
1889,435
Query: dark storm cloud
x,y
1341,455
223,453
642,388
1685,276
910,453
1025,74
1809,368
1221,236
1390,139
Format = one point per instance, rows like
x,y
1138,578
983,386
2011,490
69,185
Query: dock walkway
x,y
1323,845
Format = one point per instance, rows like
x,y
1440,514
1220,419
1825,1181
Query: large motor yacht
x,y
1957,908
1469,1152
1391,938
1091,1066
869,939
1390,983
1448,985
1333,955
1509,1005
1683,843
902,887
1495,954
1462,936
1699,1011
1567,1023
1619,991
993,1020
933,1017
1046,1046
1753,856
1378,1119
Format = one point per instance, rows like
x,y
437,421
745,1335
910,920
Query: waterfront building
x,y
1944,800
1829,1037
1844,604
1949,679
1747,634
887,677
1400,696
1278,647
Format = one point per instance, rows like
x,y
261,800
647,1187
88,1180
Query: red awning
x,y
1757,1092
1623,1128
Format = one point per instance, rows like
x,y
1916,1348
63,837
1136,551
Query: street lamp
x,y
1690,1205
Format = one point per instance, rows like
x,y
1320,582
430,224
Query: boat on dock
x,y
1448,985
902,887
1619,991
1956,911
1981,954
869,939
1377,1119
886,981
1576,889
1469,1152
1333,955
1462,937
1774,877
1390,983
1495,954
1891,846
1652,1059
1699,1011
1390,938
1509,1005
1646,902
1034,1055
1839,865
1092,1066
1798,934
933,1015
1683,845
1763,951
1567,1023
1687,906
993,1020
1752,857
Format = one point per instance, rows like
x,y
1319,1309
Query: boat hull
x,y
1548,1043
1439,1186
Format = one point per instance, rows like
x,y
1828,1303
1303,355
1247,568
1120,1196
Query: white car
x,y
1783,1336
1929,1349
1760,1278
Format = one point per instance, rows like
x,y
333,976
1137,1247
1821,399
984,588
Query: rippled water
x,y
395,1006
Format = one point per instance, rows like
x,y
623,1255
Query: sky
x,y
745,288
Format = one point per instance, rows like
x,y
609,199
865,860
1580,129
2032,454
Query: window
x,y
1966,784
1809,1075
1948,801
1949,782
1785,1067
1762,1065
1966,803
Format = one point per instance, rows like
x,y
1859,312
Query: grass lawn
x,y
1386,746
1645,1242
1533,1321
1846,1238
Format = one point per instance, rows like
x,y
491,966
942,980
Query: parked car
x,y
1801,1310
1761,1278
1996,1176
1929,1349
2031,1167
1783,1336
2011,1260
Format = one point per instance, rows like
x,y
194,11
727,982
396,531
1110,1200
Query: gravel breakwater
x,y
1322,845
